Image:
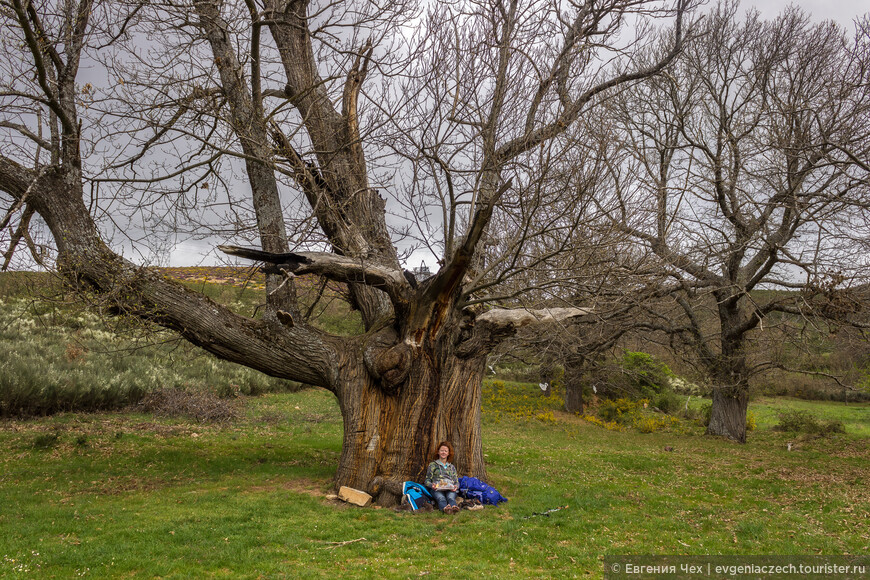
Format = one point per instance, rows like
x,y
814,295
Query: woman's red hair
x,y
448,446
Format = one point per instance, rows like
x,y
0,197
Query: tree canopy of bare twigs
x,y
740,175
325,134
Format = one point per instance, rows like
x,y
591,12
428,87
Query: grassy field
x,y
133,496
129,494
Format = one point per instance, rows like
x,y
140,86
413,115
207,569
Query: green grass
x,y
131,496
855,417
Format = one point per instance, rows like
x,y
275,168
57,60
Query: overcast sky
x,y
843,11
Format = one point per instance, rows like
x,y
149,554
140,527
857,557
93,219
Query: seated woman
x,y
442,479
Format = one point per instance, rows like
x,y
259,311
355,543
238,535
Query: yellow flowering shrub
x,y
520,401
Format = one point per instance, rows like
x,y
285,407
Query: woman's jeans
x,y
444,498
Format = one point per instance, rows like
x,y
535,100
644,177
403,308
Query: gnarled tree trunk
x,y
390,438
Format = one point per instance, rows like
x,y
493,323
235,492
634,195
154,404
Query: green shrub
x,y
66,359
805,422
648,374
667,402
636,375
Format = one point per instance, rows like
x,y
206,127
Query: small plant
x,y
546,416
609,425
649,424
751,422
46,441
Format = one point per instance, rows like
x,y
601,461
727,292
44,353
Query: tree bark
x,y
731,393
728,414
573,386
391,438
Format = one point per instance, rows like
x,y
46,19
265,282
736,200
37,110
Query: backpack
x,y
473,488
415,494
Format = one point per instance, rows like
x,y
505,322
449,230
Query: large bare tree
x,y
741,174
466,103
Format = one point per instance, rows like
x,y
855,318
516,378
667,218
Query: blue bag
x,y
473,488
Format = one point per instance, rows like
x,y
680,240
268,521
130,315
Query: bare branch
x,y
332,266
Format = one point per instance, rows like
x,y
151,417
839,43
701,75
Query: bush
x,y
751,422
199,405
636,375
68,360
684,387
647,372
649,424
667,402
609,425
621,411
805,422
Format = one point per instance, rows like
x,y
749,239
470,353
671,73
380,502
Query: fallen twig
x,y
344,543
546,513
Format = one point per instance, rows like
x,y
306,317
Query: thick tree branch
x,y
495,326
448,279
571,113
332,266
519,317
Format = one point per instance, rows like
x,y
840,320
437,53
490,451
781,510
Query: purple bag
x,y
473,488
